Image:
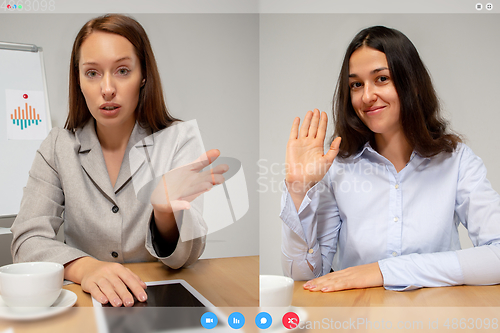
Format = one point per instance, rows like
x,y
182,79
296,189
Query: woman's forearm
x,y
75,270
166,225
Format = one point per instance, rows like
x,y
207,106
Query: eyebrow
x,y
372,72
95,63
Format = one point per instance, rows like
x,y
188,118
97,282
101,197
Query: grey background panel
x,y
301,55
209,69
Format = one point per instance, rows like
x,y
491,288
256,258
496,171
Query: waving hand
x,y
306,161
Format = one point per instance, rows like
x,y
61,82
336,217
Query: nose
x,y
108,89
369,94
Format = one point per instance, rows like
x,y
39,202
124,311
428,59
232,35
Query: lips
x,y
374,110
109,109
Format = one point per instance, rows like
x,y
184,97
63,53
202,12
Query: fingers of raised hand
x,y
212,155
184,178
315,121
216,179
214,175
334,150
197,189
193,190
310,125
313,127
323,123
219,169
177,196
205,159
304,129
294,132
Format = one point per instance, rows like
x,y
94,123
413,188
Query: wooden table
x,y
459,308
233,282
225,282
469,296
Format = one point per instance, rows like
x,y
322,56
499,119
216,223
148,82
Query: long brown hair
x,y
151,110
423,126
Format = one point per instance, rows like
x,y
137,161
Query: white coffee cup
x,y
275,291
31,284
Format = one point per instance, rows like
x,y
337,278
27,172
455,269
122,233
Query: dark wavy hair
x,y
423,126
151,110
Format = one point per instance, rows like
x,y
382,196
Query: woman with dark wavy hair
x,y
82,175
382,206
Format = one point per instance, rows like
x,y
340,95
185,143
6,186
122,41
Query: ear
x,y
143,82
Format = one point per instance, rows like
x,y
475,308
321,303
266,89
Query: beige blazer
x,y
69,184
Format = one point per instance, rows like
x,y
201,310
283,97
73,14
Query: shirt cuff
x,y
160,245
415,271
296,221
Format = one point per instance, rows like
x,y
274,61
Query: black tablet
x,y
172,305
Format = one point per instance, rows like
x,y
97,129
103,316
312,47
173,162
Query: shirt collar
x,y
369,150
366,147
87,136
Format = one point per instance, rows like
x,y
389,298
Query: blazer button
x,y
114,254
115,209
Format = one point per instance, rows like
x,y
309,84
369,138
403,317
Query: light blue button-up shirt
x,y
364,211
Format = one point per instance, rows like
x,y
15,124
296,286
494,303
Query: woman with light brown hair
x,y
82,176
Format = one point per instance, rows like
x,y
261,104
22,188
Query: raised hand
x,y
178,187
306,162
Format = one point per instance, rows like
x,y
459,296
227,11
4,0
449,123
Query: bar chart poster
x,y
26,115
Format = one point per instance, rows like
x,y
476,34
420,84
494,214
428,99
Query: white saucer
x,y
65,301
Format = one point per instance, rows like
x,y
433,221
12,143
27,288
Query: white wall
x,y
300,60
209,69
